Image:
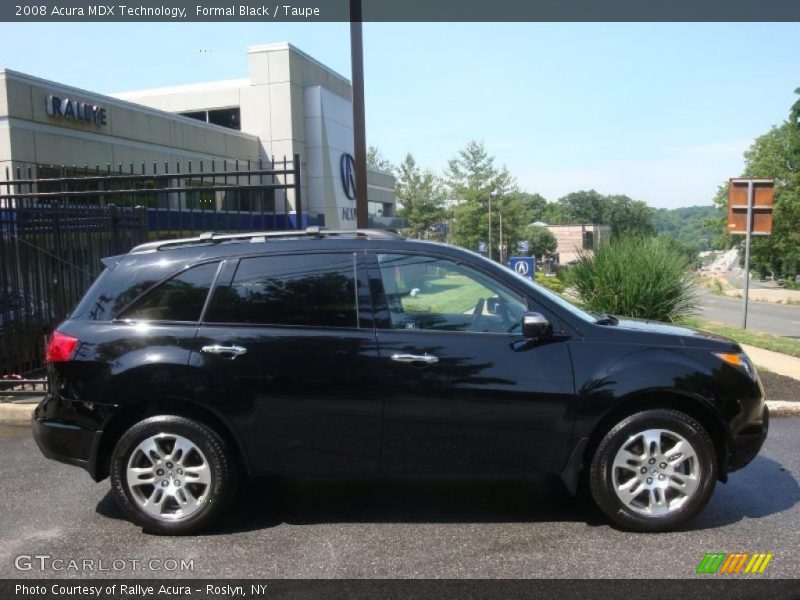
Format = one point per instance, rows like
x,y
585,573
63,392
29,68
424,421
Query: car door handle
x,y
425,359
233,351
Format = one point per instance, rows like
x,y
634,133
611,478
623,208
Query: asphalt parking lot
x,y
397,528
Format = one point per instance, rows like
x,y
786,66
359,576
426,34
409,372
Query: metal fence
x,y
57,222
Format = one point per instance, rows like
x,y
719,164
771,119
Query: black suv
x,y
192,363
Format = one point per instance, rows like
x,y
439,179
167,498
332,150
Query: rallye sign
x,y
69,108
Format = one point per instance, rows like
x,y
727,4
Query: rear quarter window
x,y
180,298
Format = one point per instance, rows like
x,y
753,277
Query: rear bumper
x,y
63,437
64,442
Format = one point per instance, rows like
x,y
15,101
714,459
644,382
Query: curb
x,y
16,414
783,408
20,414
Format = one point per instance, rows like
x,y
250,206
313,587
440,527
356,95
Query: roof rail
x,y
209,237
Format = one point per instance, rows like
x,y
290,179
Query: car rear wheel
x,y
172,475
654,471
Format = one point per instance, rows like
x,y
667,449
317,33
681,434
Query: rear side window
x,y
180,298
298,290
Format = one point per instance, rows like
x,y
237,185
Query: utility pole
x,y
359,119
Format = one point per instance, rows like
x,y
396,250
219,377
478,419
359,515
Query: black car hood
x,y
669,334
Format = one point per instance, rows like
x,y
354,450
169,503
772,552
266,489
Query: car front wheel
x,y
654,471
172,475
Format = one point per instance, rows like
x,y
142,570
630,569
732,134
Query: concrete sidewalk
x,y
782,364
772,295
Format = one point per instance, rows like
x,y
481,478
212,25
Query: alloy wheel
x,y
655,472
168,476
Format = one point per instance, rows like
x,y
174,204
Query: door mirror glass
x,y
535,326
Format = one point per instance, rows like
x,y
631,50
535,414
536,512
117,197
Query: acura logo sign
x,y
348,173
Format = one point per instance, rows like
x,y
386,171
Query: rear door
x,y
291,355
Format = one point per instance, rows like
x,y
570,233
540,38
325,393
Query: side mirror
x,y
535,326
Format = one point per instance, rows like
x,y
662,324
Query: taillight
x,y
60,348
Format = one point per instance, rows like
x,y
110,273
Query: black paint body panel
x,y
329,400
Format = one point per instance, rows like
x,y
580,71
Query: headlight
x,y
738,359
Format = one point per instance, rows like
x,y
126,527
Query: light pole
x,y
491,253
359,121
502,246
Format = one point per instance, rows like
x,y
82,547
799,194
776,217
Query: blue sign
x,y
523,265
347,166
483,247
524,247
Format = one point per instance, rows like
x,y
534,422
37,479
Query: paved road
x,y
783,320
418,528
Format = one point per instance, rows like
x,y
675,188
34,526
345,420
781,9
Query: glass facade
x,y
224,117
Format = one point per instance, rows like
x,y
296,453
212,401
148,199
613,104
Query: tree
x,y
688,226
473,181
776,155
622,214
626,216
541,239
584,207
421,197
534,204
555,214
376,160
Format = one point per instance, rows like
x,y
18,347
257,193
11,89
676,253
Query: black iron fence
x,y
56,223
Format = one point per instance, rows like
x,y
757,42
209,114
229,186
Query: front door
x,y
462,393
292,364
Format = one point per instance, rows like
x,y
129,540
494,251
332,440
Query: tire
x,y
678,480
180,489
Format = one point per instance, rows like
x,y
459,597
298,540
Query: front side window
x,y
423,292
297,290
180,298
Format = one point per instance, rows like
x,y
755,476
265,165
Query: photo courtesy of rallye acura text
x,y
192,364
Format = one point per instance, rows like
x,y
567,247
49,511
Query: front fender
x,y
633,373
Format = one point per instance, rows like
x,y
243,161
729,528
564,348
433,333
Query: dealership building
x,y
290,104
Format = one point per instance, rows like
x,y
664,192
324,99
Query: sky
x,y
660,112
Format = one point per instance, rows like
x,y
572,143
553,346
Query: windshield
x,y
556,299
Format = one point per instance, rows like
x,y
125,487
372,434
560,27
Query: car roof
x,y
209,246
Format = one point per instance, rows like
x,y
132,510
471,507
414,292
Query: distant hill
x,y
687,225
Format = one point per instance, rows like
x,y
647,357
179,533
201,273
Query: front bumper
x,y
748,442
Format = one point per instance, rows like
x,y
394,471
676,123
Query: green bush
x,y
551,283
638,277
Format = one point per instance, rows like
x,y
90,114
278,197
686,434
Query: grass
x,y
745,336
452,294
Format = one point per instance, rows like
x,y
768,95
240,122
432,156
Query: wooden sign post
x,y
750,213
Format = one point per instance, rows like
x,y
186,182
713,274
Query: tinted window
x,y
307,289
178,299
424,292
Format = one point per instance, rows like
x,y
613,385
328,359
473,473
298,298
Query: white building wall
x,y
329,131
133,133
295,105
